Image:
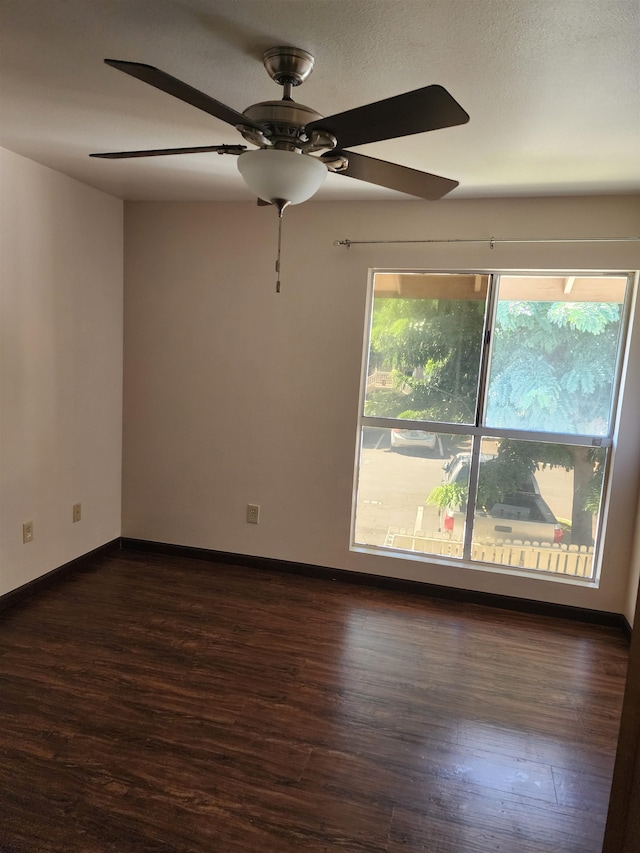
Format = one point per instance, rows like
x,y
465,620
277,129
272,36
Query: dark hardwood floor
x,y
169,704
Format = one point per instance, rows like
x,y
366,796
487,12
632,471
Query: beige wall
x,y
60,368
236,395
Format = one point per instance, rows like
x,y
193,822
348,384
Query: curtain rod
x,y
493,240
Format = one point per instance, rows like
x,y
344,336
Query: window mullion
x,y
489,324
471,496
483,380
405,423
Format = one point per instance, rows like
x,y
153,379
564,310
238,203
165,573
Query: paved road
x,y
394,486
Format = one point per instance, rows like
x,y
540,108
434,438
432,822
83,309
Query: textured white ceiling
x,y
552,87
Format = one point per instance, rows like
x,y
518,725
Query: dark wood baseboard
x,y
22,593
505,602
627,630
488,599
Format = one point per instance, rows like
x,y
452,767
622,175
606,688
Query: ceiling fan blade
x,y
182,91
161,152
425,109
394,177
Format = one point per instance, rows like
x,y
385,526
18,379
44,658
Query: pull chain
x,y
279,250
280,204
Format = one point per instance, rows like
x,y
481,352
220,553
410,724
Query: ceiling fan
x,y
282,169
297,147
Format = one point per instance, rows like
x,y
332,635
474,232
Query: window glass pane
x,y
425,346
398,505
555,345
537,505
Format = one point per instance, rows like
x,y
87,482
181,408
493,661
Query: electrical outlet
x,y
77,512
27,532
253,514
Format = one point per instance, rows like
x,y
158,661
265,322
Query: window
x,y
487,416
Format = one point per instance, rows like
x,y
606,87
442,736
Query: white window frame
x,y
477,431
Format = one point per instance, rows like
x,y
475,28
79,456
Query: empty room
x,y
319,404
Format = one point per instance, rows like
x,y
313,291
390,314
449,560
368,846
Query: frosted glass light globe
x,y
271,173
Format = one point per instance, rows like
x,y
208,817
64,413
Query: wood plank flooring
x,y
164,704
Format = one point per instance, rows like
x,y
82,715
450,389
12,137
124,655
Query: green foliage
x,y
552,362
448,494
591,317
552,370
553,366
504,475
434,345
383,403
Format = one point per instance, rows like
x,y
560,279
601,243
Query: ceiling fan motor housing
x,y
284,119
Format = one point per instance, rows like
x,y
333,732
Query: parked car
x,y
417,438
523,515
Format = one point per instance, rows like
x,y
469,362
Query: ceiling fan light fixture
x,y
276,174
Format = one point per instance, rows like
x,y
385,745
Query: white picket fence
x,y
573,560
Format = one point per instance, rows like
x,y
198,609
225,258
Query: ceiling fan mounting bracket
x,y
254,136
318,140
288,65
336,162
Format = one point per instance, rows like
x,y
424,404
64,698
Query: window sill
x,y
475,566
